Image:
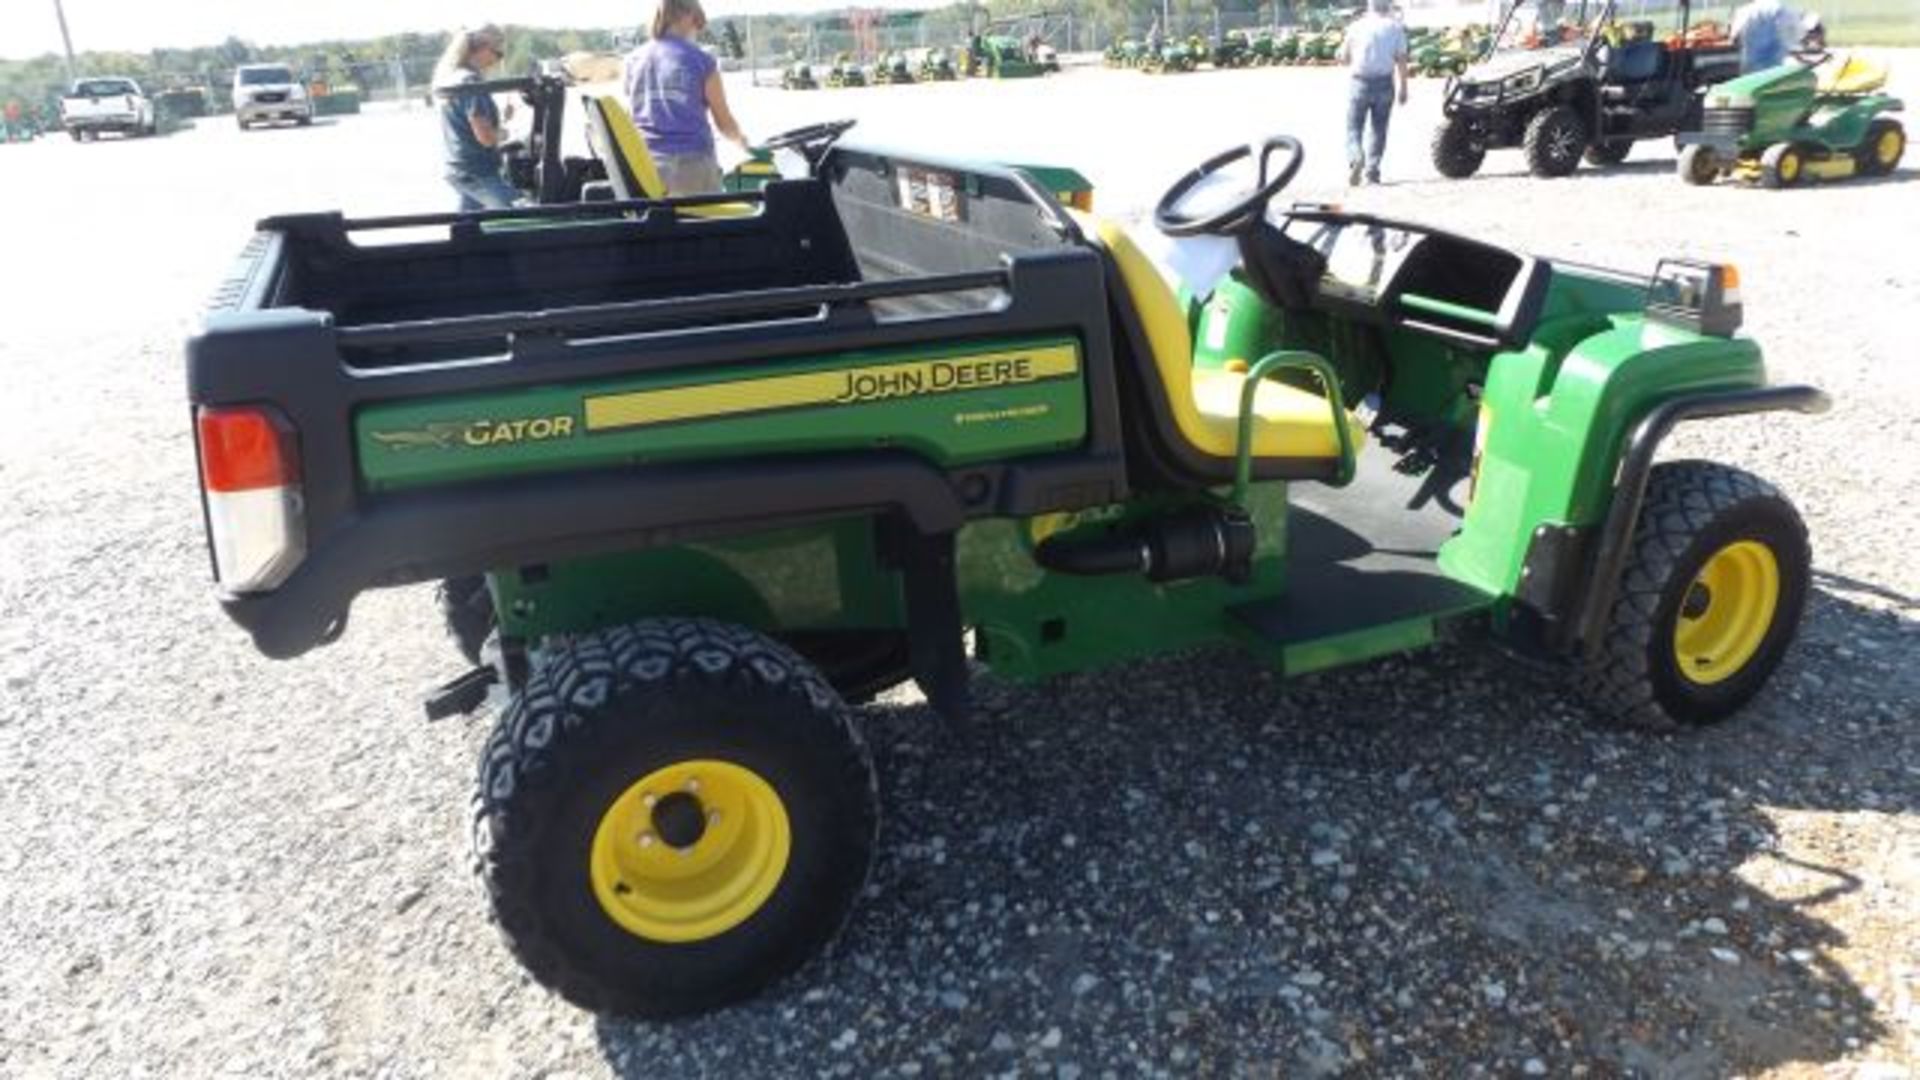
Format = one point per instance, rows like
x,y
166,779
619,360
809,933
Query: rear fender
x,y
1842,125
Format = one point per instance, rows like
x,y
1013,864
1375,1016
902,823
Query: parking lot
x,y
218,864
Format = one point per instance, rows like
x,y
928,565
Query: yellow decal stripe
x,y
841,386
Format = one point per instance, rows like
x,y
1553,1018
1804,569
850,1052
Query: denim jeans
x,y
688,174
482,192
1368,97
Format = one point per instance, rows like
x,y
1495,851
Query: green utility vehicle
x,y
727,472
1815,117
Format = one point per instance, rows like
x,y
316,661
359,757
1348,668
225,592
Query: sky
x,y
30,29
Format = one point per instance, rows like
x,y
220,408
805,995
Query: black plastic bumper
x,y
426,535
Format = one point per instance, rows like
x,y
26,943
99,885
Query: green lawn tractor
x,y
914,419
892,70
798,76
936,66
1286,47
1323,47
1812,118
845,72
1175,57
1232,50
1261,49
998,56
1448,53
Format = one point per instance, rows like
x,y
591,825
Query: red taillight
x,y
244,449
251,477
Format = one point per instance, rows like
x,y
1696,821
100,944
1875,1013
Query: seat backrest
x,y
1161,320
1853,75
1636,61
617,143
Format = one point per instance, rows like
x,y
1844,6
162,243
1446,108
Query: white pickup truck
x,y
107,103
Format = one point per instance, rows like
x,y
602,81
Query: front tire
x,y
671,815
1708,603
1781,166
1457,154
1554,141
1699,165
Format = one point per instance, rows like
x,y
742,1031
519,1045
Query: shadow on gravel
x,y
1194,866
1519,171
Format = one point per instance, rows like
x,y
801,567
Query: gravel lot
x,y
220,865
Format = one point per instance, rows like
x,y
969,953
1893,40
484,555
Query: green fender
x,y
1554,419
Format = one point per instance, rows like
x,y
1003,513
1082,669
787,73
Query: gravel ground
x,y
220,865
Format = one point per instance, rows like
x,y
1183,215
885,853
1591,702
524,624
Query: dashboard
x,y
1406,275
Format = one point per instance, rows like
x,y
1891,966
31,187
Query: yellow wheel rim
x,y
1889,147
1789,167
690,851
1726,613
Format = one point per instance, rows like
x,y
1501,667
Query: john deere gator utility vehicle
x,y
1816,117
726,473
1565,80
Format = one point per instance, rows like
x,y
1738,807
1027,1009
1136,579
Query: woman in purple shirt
x,y
672,84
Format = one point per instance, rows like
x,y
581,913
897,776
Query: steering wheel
x,y
810,140
1246,210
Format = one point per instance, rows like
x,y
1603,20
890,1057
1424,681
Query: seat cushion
x,y
1287,421
1205,403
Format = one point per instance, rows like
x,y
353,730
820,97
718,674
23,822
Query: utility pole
x,y
66,39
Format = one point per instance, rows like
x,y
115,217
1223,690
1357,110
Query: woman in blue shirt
x,y
470,121
672,85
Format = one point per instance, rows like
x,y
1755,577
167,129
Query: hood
x,y
1789,79
1503,65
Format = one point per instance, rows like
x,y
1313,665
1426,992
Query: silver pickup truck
x,y
268,92
107,103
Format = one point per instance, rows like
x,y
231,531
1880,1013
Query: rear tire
x,y
1781,166
1554,141
1699,165
1611,152
1881,153
1456,154
1677,653
612,727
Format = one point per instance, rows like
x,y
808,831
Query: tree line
x,y
368,62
